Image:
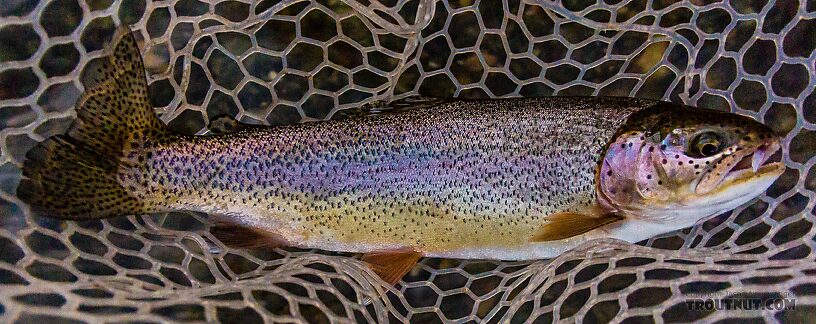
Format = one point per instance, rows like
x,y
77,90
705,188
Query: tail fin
x,y
76,175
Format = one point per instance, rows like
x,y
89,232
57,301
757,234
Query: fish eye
x,y
706,144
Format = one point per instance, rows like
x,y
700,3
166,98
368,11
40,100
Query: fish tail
x,y
77,175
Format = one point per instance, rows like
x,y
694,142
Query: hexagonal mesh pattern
x,y
277,62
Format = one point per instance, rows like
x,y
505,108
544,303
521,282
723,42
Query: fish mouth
x,y
764,160
760,157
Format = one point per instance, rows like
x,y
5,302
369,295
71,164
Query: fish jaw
x,y
741,166
742,187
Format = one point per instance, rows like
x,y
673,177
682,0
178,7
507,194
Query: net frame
x,y
758,62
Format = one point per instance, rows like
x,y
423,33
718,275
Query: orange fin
x,y
391,266
568,224
240,236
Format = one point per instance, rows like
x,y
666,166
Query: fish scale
x,y
430,179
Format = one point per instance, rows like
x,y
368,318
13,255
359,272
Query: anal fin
x,y
391,266
564,225
240,236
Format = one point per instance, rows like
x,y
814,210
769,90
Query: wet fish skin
x,y
459,175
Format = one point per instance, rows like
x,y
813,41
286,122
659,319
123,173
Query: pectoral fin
x,y
391,266
564,225
240,236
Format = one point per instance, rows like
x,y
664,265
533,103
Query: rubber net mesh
x,y
278,62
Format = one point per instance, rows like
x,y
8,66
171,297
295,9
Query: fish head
x,y
670,163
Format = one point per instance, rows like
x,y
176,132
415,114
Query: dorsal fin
x,y
382,107
225,124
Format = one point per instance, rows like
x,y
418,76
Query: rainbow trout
x,y
505,179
